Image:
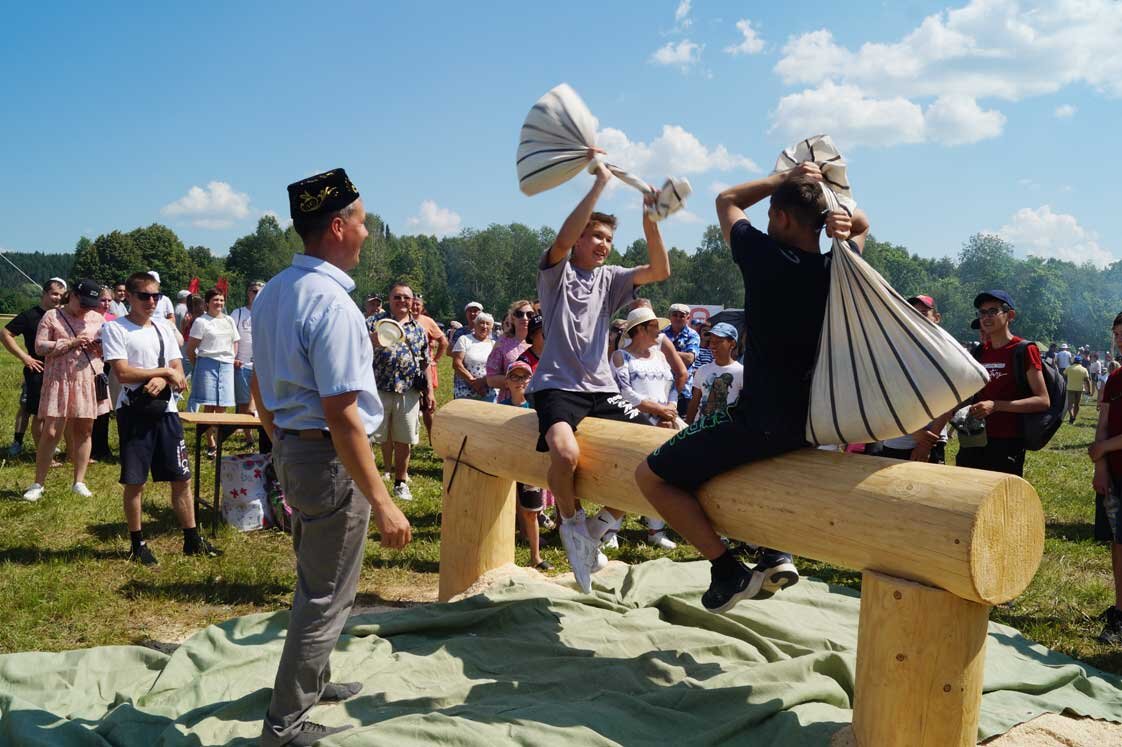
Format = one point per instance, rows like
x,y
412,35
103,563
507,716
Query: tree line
x,y
1056,300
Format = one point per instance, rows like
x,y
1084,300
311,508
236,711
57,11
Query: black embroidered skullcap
x,y
319,195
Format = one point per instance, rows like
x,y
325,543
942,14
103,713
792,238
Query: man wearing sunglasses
x,y
145,358
1000,403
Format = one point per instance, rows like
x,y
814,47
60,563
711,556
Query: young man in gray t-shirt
x,y
573,380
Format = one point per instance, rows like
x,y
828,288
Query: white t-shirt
x,y
123,340
243,321
180,312
476,352
720,386
216,336
164,309
1063,358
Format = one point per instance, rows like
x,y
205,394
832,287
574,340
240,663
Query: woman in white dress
x,y
469,361
647,383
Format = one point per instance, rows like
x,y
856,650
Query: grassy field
x,y
66,583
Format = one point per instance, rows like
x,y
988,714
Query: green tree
x,y
261,254
161,250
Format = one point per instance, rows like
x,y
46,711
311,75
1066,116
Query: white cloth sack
x,y
556,144
245,497
883,369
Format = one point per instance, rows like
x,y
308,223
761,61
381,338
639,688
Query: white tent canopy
x,y
883,369
557,142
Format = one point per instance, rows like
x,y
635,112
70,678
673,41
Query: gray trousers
x,y
330,521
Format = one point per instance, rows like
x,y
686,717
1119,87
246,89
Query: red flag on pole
x,y
223,286
193,287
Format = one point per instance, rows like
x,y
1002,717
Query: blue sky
x,y
978,116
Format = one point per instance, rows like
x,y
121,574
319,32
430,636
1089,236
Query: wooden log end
x,y
1007,540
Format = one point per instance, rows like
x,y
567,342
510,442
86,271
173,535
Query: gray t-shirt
x,y
577,308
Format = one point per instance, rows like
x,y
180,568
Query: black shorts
x,y
530,498
152,444
33,384
998,455
559,406
716,443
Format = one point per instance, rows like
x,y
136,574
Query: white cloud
x,y
750,43
686,216
1044,233
682,14
958,120
435,220
1065,111
682,54
852,117
675,152
717,186
217,206
846,114
988,49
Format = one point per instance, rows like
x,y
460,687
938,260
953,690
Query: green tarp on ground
x,y
531,663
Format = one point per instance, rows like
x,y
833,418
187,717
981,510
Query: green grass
x,y
66,583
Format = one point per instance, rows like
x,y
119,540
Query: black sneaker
x,y
723,593
337,692
1112,631
142,555
202,547
313,732
779,572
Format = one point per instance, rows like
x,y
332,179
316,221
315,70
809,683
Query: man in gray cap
x,y
315,392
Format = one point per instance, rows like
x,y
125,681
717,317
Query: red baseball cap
x,y
927,301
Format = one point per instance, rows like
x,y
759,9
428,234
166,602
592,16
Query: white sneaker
x,y
34,493
81,489
582,552
610,541
660,540
600,563
402,493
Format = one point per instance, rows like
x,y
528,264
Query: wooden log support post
x,y
937,545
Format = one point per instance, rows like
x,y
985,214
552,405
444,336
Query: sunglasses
x,y
403,298
522,314
146,296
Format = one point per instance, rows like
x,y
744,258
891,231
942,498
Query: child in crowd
x,y
530,499
716,385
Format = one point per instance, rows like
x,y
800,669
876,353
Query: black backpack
x,y
1037,428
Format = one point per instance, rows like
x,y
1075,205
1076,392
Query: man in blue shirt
x,y
316,395
688,344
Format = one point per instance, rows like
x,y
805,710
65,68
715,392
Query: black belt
x,y
311,434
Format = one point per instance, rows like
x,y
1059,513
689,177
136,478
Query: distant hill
x,y
39,265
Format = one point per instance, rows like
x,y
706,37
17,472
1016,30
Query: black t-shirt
x,y
785,292
26,324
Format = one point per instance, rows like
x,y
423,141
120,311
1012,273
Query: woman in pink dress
x,y
511,345
68,341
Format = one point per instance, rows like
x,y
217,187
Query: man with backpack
x,y
1016,388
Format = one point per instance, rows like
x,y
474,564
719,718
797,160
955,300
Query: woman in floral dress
x,y
68,341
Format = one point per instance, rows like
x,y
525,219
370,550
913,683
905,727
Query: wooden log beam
x,y
979,535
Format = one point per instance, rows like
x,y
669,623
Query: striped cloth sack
x,y
556,144
883,369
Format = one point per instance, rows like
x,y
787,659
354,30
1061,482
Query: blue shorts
x,y
212,383
242,393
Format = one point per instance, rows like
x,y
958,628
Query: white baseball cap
x,y
473,305
154,275
680,307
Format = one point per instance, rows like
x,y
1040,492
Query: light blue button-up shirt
x,y
310,341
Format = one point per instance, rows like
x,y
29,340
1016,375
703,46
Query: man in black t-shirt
x,y
786,280
26,324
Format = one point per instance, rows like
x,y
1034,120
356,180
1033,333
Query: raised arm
x,y
732,202
657,268
574,225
